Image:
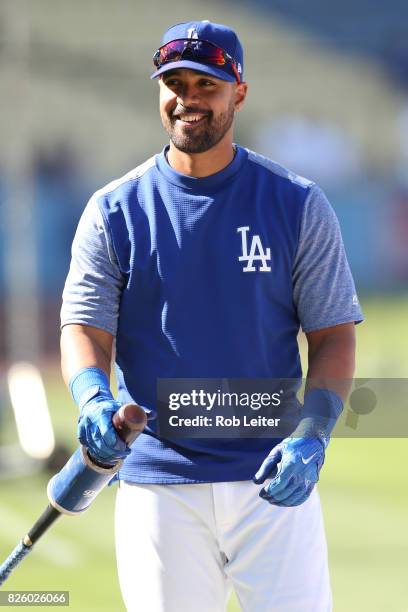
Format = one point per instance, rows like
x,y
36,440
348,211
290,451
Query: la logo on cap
x,y
192,33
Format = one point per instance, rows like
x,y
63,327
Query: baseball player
x,y
204,262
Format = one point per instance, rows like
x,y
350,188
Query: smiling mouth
x,y
190,119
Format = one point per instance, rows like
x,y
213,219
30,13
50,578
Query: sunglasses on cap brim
x,y
195,50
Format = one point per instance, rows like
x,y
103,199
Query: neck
x,y
204,164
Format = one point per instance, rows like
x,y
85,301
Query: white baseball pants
x,y
181,547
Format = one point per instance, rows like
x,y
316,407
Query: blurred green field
x,y
364,491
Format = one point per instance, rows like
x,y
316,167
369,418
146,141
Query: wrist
x,y
318,417
87,384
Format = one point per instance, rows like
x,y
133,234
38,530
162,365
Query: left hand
x,y
294,467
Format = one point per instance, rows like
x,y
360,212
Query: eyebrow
x,y
170,73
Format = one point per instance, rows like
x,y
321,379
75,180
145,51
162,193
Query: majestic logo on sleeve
x,y
256,252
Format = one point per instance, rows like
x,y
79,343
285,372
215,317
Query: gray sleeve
x,y
94,283
323,287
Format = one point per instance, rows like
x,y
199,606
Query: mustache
x,y
180,110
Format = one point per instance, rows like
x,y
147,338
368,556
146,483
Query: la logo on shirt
x,y
257,255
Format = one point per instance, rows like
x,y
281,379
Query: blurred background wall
x,y
328,97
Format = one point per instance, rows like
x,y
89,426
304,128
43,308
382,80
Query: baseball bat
x,y
74,488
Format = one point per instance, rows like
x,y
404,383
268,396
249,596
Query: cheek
x,y
167,103
164,115
223,103
163,112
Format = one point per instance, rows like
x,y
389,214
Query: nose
x,y
188,95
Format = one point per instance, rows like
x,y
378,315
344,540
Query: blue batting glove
x,y
90,390
294,467
294,464
97,433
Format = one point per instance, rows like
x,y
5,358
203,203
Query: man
x,y
203,263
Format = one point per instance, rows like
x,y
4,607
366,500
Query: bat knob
x,y
129,421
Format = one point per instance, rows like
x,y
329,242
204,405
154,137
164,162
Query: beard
x,y
202,138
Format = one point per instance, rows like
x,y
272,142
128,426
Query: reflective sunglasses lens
x,y
209,53
172,51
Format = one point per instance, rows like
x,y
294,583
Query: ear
x,y
240,95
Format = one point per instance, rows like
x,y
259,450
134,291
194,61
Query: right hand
x,y
96,430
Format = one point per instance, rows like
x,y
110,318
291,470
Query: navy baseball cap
x,y
226,62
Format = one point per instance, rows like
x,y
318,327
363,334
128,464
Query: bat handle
x,y
129,421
